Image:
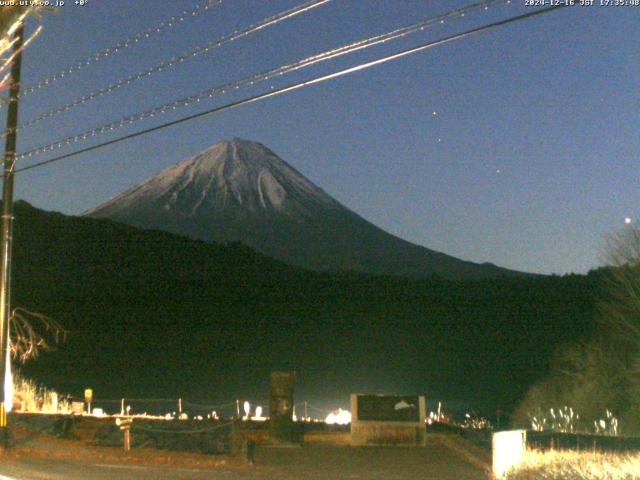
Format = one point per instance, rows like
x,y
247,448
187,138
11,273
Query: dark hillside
x,y
154,314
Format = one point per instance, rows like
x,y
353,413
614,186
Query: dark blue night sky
x,y
517,146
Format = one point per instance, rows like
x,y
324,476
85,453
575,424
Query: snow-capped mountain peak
x,y
231,174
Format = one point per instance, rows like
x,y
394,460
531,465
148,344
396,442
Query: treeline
x,y
598,377
152,314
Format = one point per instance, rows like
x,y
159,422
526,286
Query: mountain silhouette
x,y
240,191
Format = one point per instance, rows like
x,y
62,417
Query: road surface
x,y
311,462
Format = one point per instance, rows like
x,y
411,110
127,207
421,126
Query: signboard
x,y
388,420
388,408
77,408
88,395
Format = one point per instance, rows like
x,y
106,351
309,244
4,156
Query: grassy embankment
x,y
569,465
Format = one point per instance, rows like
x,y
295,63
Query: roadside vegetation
x,y
599,378
28,396
570,465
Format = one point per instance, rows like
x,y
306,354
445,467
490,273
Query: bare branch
x,y
32,333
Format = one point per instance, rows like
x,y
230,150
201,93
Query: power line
x,y
160,66
349,48
202,7
221,89
296,86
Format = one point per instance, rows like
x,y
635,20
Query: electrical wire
x,y
202,7
9,61
177,60
296,86
287,68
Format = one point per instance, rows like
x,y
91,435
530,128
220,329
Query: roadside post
x,y
249,449
125,426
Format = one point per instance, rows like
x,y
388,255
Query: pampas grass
x,y
28,396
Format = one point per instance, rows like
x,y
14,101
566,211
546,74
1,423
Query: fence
x,y
303,410
188,436
164,406
574,441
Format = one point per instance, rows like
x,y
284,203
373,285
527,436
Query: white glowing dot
x,y
627,220
434,113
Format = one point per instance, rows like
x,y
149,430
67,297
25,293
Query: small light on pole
x,y
88,398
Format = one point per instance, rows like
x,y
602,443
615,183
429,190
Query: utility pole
x,y
7,231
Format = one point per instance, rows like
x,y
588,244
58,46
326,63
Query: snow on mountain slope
x,y
229,175
238,190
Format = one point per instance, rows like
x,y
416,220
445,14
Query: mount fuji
x,y
238,190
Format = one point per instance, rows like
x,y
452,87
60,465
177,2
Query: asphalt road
x,y
44,469
312,462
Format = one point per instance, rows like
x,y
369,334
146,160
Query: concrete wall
x,y
327,438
